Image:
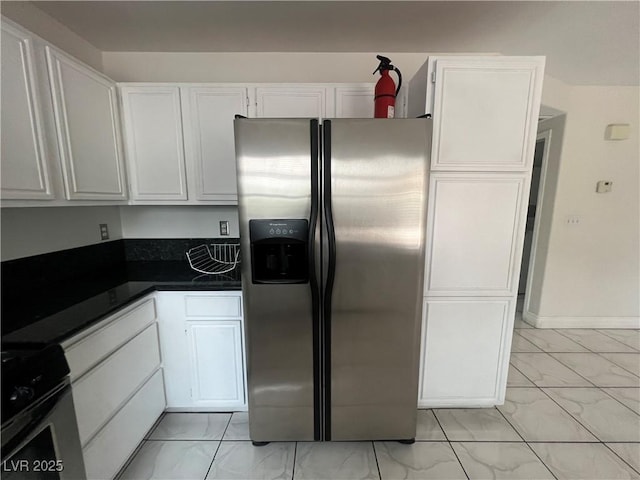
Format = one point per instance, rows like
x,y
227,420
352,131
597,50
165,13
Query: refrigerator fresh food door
x,y
274,168
375,179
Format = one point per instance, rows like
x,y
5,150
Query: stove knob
x,y
22,395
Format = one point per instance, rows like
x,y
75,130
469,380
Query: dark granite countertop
x,y
58,310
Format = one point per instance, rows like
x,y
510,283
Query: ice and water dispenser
x,y
279,251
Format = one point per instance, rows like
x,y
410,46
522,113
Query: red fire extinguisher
x,y
386,91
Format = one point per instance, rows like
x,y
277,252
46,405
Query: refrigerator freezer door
x,y
274,181
378,200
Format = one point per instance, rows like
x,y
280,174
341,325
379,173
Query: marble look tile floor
x,y
572,411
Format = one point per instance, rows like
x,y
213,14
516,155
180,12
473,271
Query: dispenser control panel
x,y
279,251
265,229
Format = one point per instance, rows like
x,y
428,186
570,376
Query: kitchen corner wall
x,y
38,22
33,231
156,221
590,276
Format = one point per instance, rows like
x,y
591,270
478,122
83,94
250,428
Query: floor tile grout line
x,y
620,457
295,453
575,341
614,398
554,330
375,455
218,448
621,366
520,371
598,440
593,383
599,353
567,366
570,414
613,338
450,446
573,370
526,443
528,341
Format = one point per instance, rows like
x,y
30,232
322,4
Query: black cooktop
x,y
29,372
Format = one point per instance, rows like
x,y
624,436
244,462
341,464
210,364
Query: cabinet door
x,y
292,102
215,351
88,129
24,170
485,112
209,139
155,149
465,352
475,229
354,102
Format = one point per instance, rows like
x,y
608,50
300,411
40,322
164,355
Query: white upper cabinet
x,y
154,142
476,225
88,129
208,113
484,109
354,102
294,102
25,173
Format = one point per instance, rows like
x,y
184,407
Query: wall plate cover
x,y
604,186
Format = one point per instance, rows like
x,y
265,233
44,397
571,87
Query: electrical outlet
x,y
604,186
224,227
104,231
573,220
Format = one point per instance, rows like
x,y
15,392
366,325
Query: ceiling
x,y
586,43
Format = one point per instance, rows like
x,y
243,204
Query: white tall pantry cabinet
x,y
485,112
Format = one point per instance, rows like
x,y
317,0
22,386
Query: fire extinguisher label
x,y
391,111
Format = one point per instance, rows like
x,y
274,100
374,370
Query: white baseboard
x,y
580,322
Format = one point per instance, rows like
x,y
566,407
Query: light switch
x,y
617,131
604,186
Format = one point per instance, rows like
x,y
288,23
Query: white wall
x,y
252,67
592,271
38,22
544,211
33,231
177,221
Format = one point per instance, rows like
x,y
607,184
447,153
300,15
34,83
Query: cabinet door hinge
x,y
433,77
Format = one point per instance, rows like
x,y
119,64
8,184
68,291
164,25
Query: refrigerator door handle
x,y
313,278
331,271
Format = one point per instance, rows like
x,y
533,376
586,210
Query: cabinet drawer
x,y
111,447
209,306
101,392
90,349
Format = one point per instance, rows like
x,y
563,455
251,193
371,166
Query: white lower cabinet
x,y
117,385
215,359
107,453
465,351
99,393
202,344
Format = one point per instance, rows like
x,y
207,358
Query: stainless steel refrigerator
x,y
332,228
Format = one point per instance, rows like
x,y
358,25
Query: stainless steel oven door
x,y
42,442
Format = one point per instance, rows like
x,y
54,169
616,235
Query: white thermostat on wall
x,y
604,186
